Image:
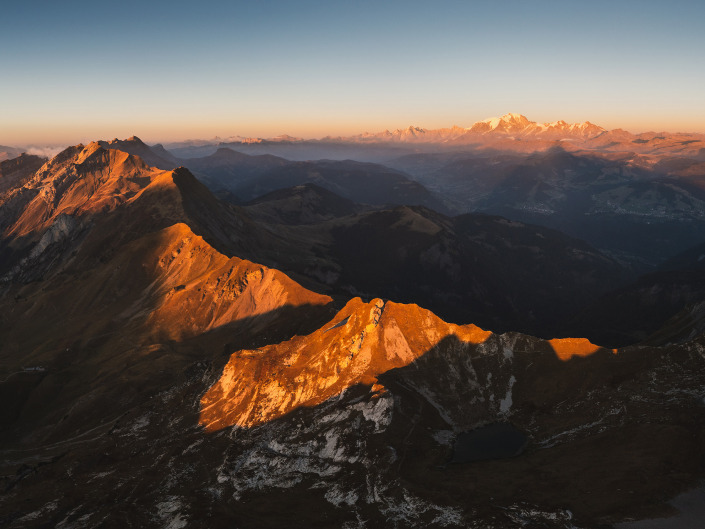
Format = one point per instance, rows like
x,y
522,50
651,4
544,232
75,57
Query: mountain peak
x,y
519,118
363,341
507,123
518,125
155,157
115,177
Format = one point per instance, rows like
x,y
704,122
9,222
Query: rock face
x,y
84,180
366,410
363,341
202,289
155,156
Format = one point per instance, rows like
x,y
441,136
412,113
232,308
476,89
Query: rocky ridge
x,y
370,407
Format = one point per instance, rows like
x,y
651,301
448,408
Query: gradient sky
x,y
75,71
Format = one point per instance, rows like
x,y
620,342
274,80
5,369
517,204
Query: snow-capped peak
x,y
493,122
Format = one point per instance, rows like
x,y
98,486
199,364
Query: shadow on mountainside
x,y
604,442
71,383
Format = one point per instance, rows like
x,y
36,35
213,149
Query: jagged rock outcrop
x,y
363,341
366,341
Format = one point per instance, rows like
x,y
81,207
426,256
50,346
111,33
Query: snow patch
x,y
338,496
409,510
140,423
431,399
506,403
444,437
192,446
508,353
378,411
51,506
100,475
169,512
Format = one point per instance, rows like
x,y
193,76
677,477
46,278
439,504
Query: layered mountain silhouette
x,y
154,374
15,171
7,153
511,132
637,197
249,177
623,204
500,274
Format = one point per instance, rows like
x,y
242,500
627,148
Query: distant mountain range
x,y
9,152
640,199
514,125
511,132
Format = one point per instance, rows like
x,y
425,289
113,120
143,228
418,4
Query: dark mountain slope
x,y
625,204
304,204
500,274
14,172
249,177
228,169
671,298
364,183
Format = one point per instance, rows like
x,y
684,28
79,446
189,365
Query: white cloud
x,y
47,151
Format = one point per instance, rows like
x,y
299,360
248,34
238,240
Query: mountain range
x,y
240,340
510,132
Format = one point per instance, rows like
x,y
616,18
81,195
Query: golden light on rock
x,y
363,341
567,348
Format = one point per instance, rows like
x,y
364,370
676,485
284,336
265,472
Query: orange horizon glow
x,y
314,69
176,131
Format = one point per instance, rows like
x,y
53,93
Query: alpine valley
x,y
493,326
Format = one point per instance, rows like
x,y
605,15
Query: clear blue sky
x,y
76,71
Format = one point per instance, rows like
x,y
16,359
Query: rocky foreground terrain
x,y
154,375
